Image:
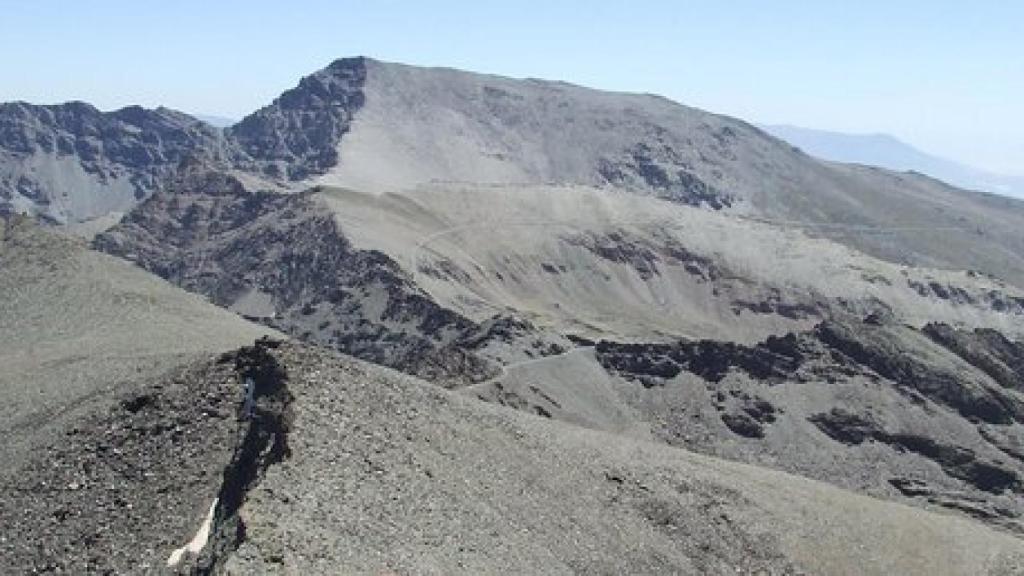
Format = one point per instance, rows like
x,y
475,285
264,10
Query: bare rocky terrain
x,y
71,163
347,467
97,458
79,325
596,333
870,405
284,260
376,126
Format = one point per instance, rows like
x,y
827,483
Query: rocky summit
x,y
407,320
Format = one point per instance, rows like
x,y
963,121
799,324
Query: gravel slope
x,y
76,325
603,262
388,474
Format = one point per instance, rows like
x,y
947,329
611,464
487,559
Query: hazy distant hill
x,y
886,151
216,121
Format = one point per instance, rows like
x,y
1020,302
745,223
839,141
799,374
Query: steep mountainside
x,y
71,162
761,334
661,277
598,262
418,125
284,260
376,126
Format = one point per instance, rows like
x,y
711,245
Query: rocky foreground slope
x,y
77,326
344,467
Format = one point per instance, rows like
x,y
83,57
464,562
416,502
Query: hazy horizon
x,y
938,76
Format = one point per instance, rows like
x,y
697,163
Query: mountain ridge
x,y
382,127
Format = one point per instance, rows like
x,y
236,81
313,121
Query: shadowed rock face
x,y
282,260
958,462
841,349
296,136
968,392
776,359
988,350
126,484
73,163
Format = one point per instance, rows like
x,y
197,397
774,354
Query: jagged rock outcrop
x,y
124,486
935,413
261,441
296,136
72,162
666,172
986,349
924,370
644,255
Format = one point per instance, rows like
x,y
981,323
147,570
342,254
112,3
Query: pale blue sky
x,y
946,76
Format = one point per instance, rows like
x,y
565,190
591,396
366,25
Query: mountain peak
x,y
347,63
296,135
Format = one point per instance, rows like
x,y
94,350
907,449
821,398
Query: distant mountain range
x,y
886,151
217,121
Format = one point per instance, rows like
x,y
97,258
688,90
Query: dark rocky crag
x,y
297,135
128,483
132,481
283,260
69,163
663,170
